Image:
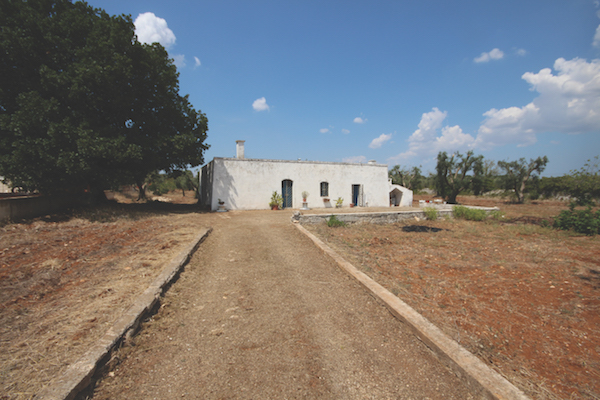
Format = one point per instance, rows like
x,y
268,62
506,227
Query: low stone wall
x,y
16,208
376,217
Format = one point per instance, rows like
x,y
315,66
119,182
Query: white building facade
x,y
247,184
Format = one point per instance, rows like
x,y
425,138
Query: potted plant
x,y
339,202
351,205
276,201
304,203
221,206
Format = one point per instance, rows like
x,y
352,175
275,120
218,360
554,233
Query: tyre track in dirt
x,y
260,312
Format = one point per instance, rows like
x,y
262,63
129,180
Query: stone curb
x,y
477,374
79,375
386,217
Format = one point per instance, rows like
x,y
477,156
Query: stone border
x,y
465,365
79,375
379,217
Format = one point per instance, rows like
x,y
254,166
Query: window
x,y
324,189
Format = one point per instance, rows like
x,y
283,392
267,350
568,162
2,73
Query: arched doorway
x,y
286,193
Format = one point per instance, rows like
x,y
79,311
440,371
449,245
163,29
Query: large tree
x,y
518,173
410,178
85,105
455,173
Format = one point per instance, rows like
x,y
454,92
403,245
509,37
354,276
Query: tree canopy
x,y
518,173
410,178
84,104
453,173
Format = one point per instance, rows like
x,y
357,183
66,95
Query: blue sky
x,y
393,81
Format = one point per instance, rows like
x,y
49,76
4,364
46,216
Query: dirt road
x,y
259,312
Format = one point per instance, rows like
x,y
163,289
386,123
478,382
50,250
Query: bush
x,y
333,222
581,221
162,185
430,213
496,215
470,214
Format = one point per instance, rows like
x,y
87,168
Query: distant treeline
x,y
161,183
468,174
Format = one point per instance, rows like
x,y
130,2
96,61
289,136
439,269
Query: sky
x,y
391,81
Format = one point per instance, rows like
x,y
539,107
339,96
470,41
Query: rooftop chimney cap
x,y
239,147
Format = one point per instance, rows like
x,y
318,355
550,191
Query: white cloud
x,y
179,60
355,159
324,130
568,102
379,141
150,29
260,104
521,52
359,120
345,131
494,54
197,62
425,141
596,42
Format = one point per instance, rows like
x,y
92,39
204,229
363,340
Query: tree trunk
x,y
521,193
141,190
451,199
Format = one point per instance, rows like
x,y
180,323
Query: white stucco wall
x,y
248,183
401,196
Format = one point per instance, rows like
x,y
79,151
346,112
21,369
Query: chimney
x,y
372,162
239,147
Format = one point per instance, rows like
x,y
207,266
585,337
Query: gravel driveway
x,y
260,312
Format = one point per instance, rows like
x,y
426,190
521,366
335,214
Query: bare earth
x,y
522,297
64,280
260,313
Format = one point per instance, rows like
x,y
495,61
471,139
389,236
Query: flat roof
x,y
300,161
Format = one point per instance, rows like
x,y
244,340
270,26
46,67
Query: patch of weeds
x,y
496,215
581,221
470,214
430,213
334,222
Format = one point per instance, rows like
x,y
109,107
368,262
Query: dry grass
x,y
65,279
522,297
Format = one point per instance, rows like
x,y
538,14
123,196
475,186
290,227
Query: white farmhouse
x,y
247,184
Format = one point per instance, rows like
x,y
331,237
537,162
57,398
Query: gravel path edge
x,y
477,374
78,375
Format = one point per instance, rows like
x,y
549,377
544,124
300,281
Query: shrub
x,y
467,213
581,221
333,222
430,213
496,215
459,211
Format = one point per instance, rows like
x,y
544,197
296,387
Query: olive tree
x,y
455,173
519,172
